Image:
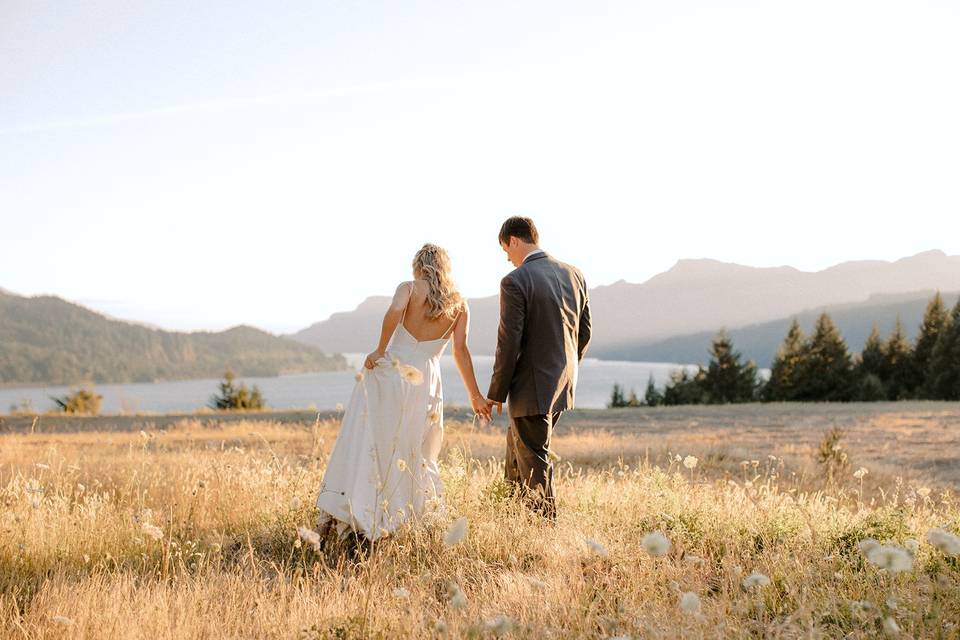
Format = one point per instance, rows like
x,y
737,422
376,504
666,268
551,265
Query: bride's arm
x,y
390,321
461,355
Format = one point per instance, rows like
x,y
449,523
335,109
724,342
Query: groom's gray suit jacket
x,y
544,332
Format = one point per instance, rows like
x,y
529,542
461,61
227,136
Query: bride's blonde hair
x,y
433,265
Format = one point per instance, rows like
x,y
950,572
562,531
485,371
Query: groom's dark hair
x,y
519,227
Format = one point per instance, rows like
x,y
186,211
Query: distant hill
x,y
692,296
760,342
47,340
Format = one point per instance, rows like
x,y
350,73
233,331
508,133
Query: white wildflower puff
x,y
458,599
890,626
923,492
690,602
151,531
596,547
64,620
867,545
655,543
947,543
395,362
499,625
690,462
401,593
401,464
41,465
309,536
859,473
755,579
912,546
890,557
359,376
457,532
411,374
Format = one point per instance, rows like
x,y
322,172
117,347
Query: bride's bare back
x,y
416,320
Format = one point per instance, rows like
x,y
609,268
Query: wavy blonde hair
x,y
433,265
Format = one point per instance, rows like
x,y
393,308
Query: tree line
x,y
819,367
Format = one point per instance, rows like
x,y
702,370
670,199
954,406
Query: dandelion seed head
x,y
457,532
309,536
655,543
859,473
890,557
923,492
690,462
755,579
596,547
151,531
690,602
947,543
499,625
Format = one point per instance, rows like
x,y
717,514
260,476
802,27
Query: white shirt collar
x,y
534,252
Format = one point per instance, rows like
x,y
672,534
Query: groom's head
x,y
518,237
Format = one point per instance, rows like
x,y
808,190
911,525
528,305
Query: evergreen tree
x,y
234,398
616,398
633,400
871,360
897,364
684,388
935,320
652,397
727,379
784,372
944,372
826,369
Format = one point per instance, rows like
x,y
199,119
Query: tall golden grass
x,y
191,532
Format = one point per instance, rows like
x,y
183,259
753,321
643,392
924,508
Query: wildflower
x,y
434,417
411,374
40,465
359,376
401,464
458,600
923,492
690,462
395,362
310,537
911,545
859,473
456,533
867,545
690,602
890,557
499,625
655,543
755,579
947,543
339,407
677,458
401,593
890,626
64,620
152,531
596,547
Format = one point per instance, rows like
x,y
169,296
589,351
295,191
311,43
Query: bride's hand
x,y
372,358
481,407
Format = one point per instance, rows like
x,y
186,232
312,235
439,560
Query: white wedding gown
x,y
383,468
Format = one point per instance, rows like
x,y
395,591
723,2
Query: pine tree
x,y
784,372
871,369
232,397
897,363
684,388
944,371
652,397
616,398
935,320
727,378
826,370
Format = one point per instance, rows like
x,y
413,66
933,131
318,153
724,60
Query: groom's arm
x,y
509,338
586,329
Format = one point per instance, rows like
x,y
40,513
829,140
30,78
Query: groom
x,y
544,332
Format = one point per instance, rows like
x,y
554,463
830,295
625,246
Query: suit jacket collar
x,y
529,258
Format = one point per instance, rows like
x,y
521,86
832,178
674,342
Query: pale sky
x,y
198,165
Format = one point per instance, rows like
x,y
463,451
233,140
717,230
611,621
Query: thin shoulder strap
x,y
404,314
452,325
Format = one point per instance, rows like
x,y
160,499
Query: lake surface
x,y
326,390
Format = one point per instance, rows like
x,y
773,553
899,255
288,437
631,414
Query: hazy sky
x,y
203,164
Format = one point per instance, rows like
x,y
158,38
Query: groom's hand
x,y
493,403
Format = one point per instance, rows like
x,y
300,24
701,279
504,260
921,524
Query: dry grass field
x,y
189,529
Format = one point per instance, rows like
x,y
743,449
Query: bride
x,y
383,469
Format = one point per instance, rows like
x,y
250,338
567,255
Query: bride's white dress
x,y
383,468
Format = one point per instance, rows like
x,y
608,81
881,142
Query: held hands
x,y
481,407
372,357
493,403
